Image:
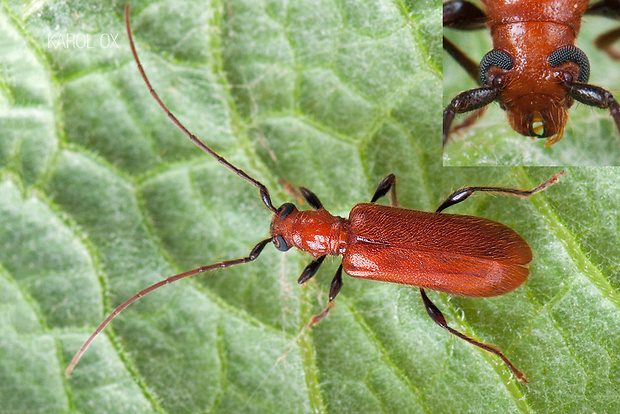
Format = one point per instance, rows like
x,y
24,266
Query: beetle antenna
x,y
261,187
256,251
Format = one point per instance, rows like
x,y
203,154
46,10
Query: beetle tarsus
x,y
462,194
437,317
318,318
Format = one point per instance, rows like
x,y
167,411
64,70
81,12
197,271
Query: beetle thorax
x,y
314,231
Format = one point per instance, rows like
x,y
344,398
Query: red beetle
x,y
456,254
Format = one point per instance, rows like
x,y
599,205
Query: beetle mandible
x,y
457,254
534,71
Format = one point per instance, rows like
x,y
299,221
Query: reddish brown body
x,y
456,254
529,31
462,255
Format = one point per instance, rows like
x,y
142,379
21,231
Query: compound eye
x,y
575,55
280,243
285,209
497,58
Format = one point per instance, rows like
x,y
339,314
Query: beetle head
x,y
534,93
281,229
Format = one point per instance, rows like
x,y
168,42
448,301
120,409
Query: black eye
x,y
497,58
575,55
285,209
280,243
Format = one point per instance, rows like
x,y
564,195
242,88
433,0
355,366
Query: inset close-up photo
x,y
531,83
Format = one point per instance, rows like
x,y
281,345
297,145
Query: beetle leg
x,y
465,102
473,69
311,198
440,320
334,289
467,63
605,8
609,9
336,284
311,269
470,120
595,96
462,194
606,41
387,184
318,318
463,15
393,198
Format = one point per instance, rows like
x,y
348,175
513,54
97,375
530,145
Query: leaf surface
x,y
101,196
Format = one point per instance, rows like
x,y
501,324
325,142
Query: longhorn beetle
x,y
457,254
534,71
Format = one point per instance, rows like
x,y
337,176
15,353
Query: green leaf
x,y
101,196
590,138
